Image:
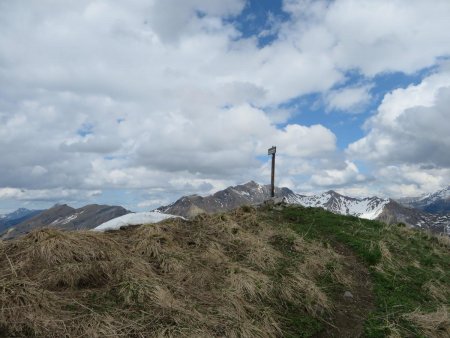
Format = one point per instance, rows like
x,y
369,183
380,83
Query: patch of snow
x,y
243,193
134,219
69,218
62,221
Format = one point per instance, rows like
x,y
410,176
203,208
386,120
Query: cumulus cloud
x,y
410,125
301,141
49,195
407,139
412,180
372,36
351,99
170,19
338,177
140,94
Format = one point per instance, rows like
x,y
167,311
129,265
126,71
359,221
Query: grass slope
x,y
267,272
410,269
229,275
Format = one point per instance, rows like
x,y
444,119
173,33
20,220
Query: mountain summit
x,y
250,193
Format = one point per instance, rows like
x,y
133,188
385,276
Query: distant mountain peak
x,y
22,210
252,184
436,203
19,213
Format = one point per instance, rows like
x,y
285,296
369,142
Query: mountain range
x,y
431,212
252,193
65,217
435,203
16,217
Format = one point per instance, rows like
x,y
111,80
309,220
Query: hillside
x,y
283,271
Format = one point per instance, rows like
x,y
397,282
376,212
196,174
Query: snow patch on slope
x,y
65,220
134,219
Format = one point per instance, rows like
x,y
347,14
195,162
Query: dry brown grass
x,y
214,276
433,324
443,240
437,290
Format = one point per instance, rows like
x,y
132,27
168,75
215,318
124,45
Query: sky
x,y
139,102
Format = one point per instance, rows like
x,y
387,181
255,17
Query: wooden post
x,y
272,152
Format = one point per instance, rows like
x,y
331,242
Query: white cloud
x,y
301,141
153,203
338,177
412,180
410,126
351,99
171,18
407,141
372,36
58,194
170,91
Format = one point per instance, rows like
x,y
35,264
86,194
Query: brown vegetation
x,y
433,324
222,275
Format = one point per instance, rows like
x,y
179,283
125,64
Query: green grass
x,y
299,325
410,260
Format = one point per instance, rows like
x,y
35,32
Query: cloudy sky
x,y
138,102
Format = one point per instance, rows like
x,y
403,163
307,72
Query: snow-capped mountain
x,y
252,193
435,203
369,207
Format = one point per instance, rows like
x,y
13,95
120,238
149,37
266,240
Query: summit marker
x,y
272,152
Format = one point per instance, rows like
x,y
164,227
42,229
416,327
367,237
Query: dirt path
x,y
350,314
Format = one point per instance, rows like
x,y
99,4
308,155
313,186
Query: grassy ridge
x,y
267,272
232,275
410,269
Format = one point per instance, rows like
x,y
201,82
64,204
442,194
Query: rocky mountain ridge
x,y
252,193
68,218
369,207
16,217
230,198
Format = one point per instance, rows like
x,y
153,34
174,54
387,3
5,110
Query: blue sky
x,y
139,103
